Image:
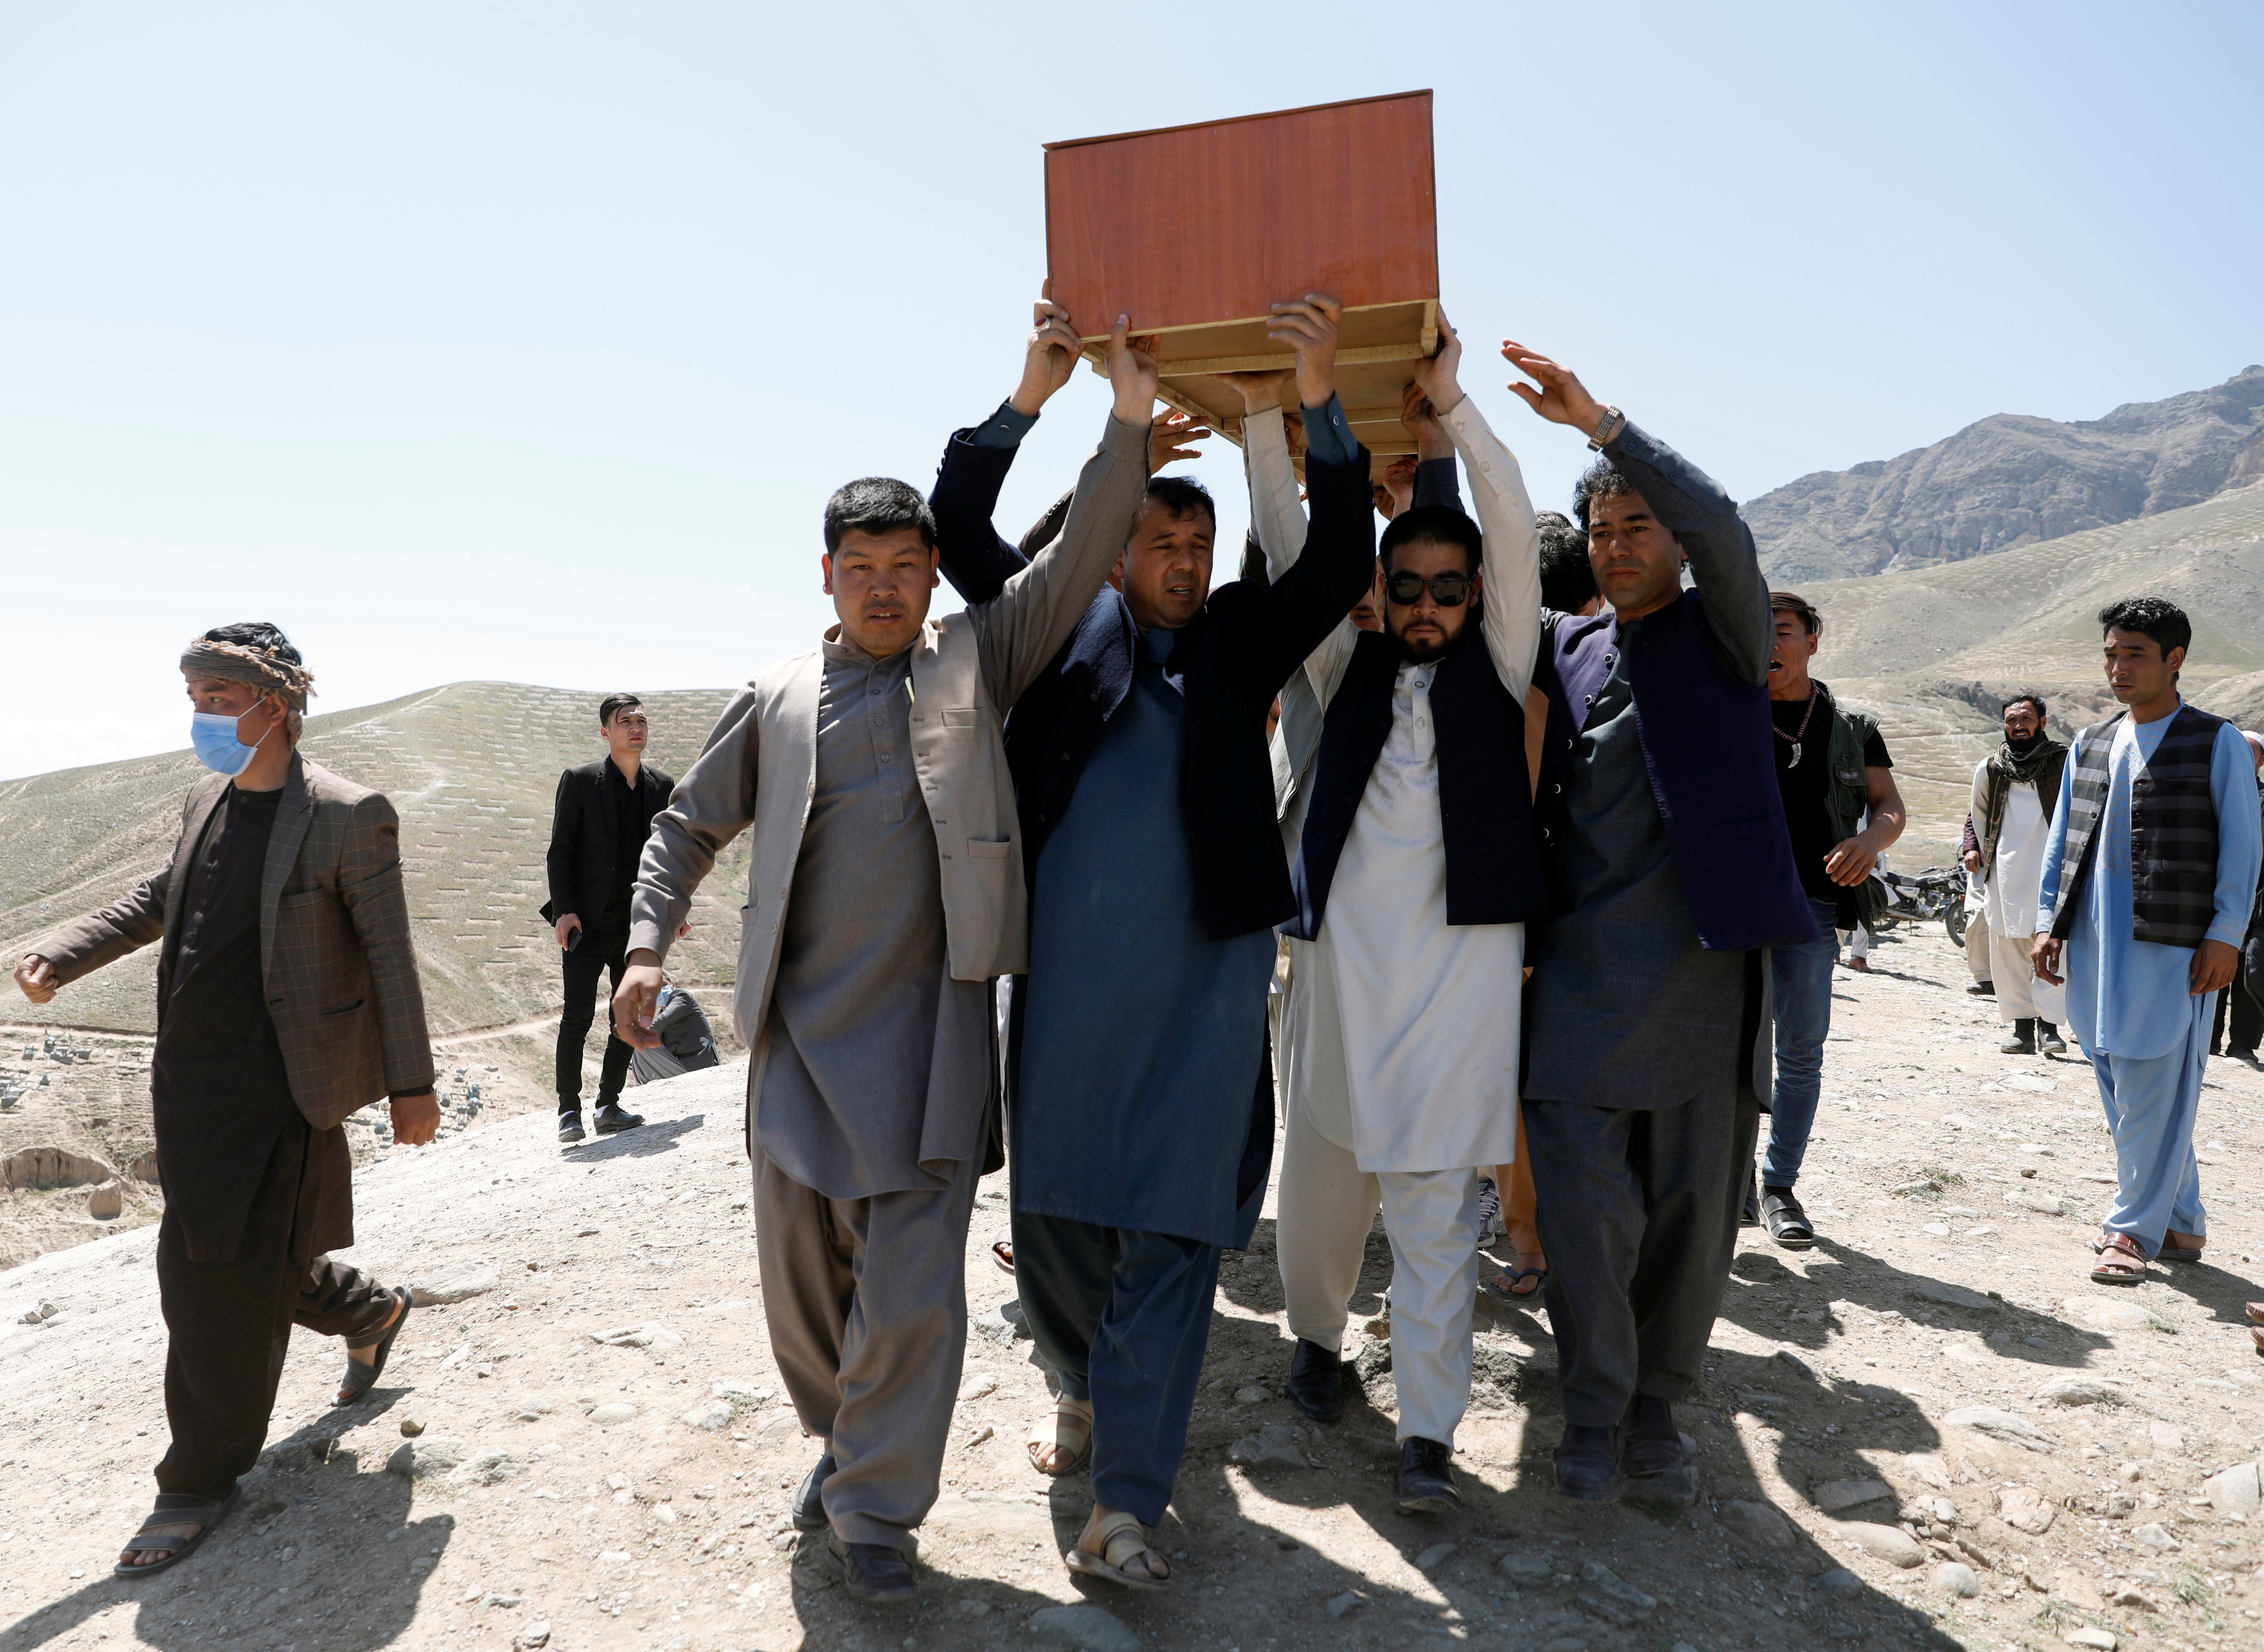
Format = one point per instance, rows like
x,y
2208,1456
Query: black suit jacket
x,y
580,863
1231,661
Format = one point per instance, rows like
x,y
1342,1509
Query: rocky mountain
x,y
2011,480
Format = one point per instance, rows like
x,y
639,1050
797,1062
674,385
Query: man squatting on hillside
x,y
287,999
1141,1108
2147,884
886,891
2015,799
598,826
1416,866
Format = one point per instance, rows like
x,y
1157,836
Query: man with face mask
x,y
1141,1127
1417,869
288,1000
886,893
2015,793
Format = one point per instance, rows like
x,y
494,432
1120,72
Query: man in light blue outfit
x,y
2147,883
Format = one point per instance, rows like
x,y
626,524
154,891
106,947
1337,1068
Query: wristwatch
x,y
1609,426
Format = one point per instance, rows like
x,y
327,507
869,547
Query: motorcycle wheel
x,y
1954,921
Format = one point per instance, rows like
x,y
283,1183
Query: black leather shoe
x,y
810,1501
569,1126
2048,1038
872,1572
610,1118
1588,1464
2022,1040
1317,1381
1661,1474
1427,1480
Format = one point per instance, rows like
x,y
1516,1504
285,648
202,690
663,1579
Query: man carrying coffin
x,y
1139,1144
1417,869
1672,872
886,892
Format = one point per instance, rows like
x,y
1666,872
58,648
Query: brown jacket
x,y
334,945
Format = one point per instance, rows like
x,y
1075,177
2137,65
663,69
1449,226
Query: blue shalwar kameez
x,y
1138,1042
2130,1002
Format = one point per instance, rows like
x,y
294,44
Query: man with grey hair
x,y
288,1000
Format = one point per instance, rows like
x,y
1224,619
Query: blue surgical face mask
x,y
212,733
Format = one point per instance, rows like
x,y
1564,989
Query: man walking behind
x,y
2015,796
287,1000
1832,770
886,893
1672,873
598,831
2147,882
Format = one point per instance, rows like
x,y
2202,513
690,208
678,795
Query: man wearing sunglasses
x,y
1417,867
1672,873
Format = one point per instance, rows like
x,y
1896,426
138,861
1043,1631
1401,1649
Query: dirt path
x,y
583,1505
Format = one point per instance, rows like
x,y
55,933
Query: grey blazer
x,y
335,953
759,767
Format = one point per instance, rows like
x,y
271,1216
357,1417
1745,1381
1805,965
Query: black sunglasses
x,y
1449,590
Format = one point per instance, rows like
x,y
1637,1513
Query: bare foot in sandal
x,y
1060,1444
1115,1545
1527,1275
2120,1262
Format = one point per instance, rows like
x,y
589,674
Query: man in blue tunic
x,y
1146,793
2148,880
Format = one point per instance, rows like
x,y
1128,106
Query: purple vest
x,y
1706,745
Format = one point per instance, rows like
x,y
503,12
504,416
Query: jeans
x,y
1803,980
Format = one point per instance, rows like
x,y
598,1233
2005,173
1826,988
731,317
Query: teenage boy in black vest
x,y
598,828
1831,768
1671,873
2148,881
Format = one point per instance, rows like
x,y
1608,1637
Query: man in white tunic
x,y
2014,792
1416,865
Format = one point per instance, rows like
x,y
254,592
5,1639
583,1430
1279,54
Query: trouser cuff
x,y
865,1528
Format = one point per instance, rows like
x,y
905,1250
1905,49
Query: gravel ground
x,y
1885,1397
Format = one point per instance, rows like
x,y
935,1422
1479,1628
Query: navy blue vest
x,y
1494,874
1707,743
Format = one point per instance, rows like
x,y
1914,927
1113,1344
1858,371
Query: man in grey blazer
x,y
887,890
287,1000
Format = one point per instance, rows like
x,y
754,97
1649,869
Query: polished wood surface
x,y
1193,232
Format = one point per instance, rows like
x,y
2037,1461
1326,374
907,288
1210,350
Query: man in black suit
x,y
598,829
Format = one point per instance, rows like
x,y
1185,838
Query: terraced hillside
x,y
1933,651
472,767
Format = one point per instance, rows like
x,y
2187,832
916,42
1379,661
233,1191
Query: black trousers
x,y
228,1323
596,955
1639,1212
2238,1003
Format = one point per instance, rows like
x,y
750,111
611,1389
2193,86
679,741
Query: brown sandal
x,y
2120,1261
1047,1433
1122,1538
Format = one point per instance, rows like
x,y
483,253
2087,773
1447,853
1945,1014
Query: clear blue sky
x,y
525,341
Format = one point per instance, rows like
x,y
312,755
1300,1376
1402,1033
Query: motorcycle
x,y
1936,891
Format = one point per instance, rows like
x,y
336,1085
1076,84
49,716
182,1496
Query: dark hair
x,y
876,504
1568,579
257,633
2036,701
613,703
1433,524
1183,495
1601,481
2155,617
1799,607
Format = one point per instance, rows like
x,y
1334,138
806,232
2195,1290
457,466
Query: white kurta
x,y
2018,870
1430,1055
1422,1074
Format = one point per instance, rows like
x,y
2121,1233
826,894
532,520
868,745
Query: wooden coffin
x,y
1193,232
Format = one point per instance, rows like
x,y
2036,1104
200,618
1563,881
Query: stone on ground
x,y
1275,1447
1840,1582
2078,1389
1954,1578
1758,1523
1987,1419
2026,1508
422,1459
1834,1495
457,1287
1888,1543
2235,1490
1088,1628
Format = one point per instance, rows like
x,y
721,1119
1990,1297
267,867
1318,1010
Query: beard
x,y
1423,649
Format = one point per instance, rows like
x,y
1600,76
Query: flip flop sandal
x,y
1048,1432
1002,1250
1785,1221
1509,1293
1122,1538
359,1379
2114,1257
174,1509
